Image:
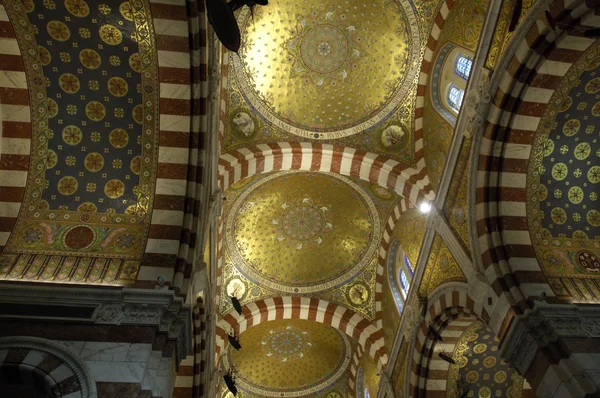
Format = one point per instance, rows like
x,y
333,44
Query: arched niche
x,y
450,75
31,366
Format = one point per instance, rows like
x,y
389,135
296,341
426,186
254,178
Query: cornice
x,y
160,308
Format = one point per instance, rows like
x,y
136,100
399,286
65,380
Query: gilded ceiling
x,y
338,222
290,358
462,27
479,365
329,72
324,70
94,141
562,183
441,268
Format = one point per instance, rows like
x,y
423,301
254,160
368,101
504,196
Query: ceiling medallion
x,y
286,344
327,70
303,223
302,232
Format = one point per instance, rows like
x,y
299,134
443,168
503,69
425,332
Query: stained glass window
x,y
455,97
463,65
404,284
411,271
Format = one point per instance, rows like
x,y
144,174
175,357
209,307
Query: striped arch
x,y
402,205
180,29
354,365
523,84
51,368
312,309
15,116
428,64
448,303
378,169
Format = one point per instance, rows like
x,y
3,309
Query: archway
x,y
354,325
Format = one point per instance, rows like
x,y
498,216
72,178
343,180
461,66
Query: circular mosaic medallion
x,y
500,376
489,362
472,377
114,189
110,35
78,8
58,30
286,343
67,185
79,237
94,162
358,294
479,348
589,261
485,392
302,222
324,48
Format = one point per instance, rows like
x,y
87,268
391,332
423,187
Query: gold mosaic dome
x,y
289,358
323,70
302,232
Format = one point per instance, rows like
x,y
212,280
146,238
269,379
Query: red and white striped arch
x,y
447,303
427,66
15,116
402,205
313,309
530,74
263,158
354,365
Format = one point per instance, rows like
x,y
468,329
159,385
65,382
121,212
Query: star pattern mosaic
x,y
480,367
92,70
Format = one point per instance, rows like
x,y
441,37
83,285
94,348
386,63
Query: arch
x,y
354,367
447,303
520,88
16,131
62,371
427,64
313,309
402,205
378,169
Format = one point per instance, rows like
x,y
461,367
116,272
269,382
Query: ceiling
x,y
325,71
323,67
479,364
315,234
285,356
563,181
91,174
297,232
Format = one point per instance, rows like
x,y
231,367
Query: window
x,y
455,97
360,381
411,271
404,284
463,65
398,298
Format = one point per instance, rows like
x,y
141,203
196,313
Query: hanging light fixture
x,y
234,340
229,379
